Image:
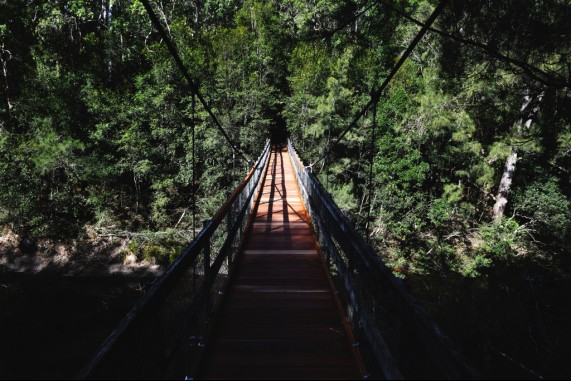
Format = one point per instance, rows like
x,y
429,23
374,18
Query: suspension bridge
x,y
278,285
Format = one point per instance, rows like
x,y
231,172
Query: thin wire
x,y
193,166
191,83
376,95
326,176
373,143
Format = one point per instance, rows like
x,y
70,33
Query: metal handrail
x,y
397,337
160,336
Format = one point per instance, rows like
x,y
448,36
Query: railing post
x,y
241,227
230,218
230,215
207,250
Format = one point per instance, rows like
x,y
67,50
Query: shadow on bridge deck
x,y
280,318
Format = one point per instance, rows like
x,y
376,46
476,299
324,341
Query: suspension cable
x,y
373,144
192,85
375,95
193,115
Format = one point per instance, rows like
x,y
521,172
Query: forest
x,y
458,175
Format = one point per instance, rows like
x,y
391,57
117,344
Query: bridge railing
x,y
397,339
162,336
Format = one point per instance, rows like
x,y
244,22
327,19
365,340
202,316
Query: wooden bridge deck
x,y
279,318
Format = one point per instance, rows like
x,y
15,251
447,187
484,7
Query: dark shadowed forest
x,y
459,176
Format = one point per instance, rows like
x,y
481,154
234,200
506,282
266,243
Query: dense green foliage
x,y
99,127
445,126
95,124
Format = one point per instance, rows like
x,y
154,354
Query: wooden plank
x,y
283,373
269,319
294,245
282,285
296,269
287,345
279,274
243,304
249,360
278,298
292,242
275,332
283,236
312,252
286,232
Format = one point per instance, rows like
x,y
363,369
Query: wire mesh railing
x,y
397,339
162,336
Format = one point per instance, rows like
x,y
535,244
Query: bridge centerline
x,y
279,258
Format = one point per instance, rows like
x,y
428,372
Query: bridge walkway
x,y
280,317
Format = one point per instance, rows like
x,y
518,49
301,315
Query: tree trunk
x,y
523,125
5,56
105,16
505,184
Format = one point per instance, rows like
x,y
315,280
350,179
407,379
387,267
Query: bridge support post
x,y
230,220
207,250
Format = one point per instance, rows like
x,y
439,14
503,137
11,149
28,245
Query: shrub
x,y
547,209
501,239
473,266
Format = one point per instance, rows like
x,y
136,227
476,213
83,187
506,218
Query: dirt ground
x,y
59,301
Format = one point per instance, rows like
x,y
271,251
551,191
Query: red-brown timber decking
x,y
279,317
